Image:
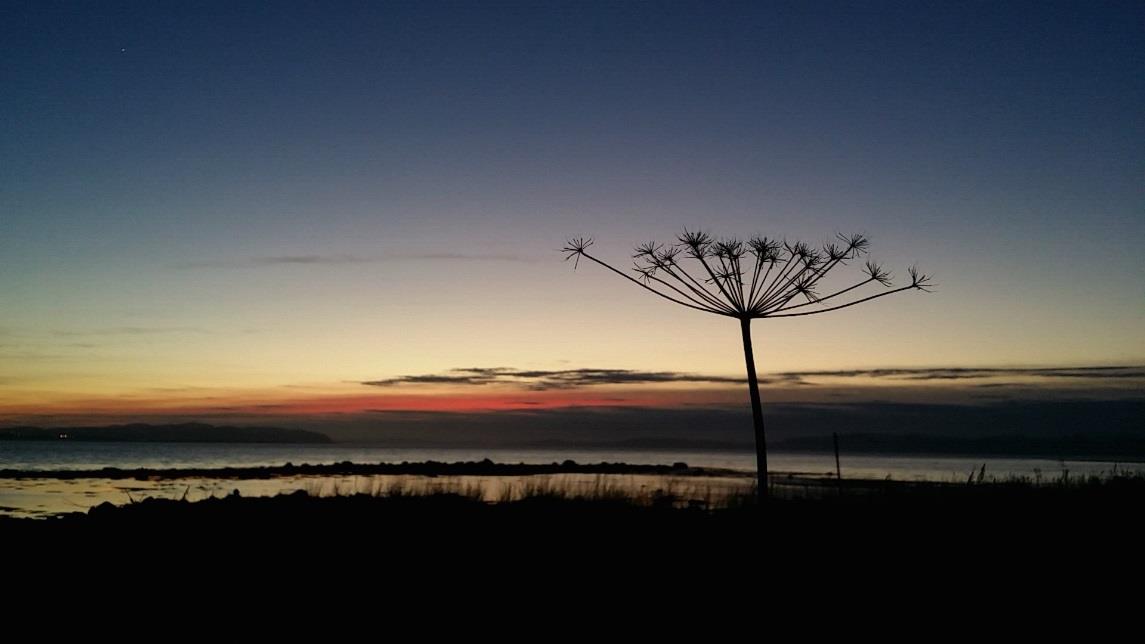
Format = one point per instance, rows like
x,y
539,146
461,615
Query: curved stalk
x,y
843,306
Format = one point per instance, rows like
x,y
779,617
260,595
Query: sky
x,y
263,210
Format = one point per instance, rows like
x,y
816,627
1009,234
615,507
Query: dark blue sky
x,y
966,100
157,157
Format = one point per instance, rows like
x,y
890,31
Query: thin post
x,y
756,412
838,470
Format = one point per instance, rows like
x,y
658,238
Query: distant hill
x,y
1106,446
182,433
1110,446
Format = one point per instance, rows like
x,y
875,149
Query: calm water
x,y
68,455
61,455
41,497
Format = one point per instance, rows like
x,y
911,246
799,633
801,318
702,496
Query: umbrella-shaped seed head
x,y
835,252
648,249
856,244
919,280
667,255
729,248
877,273
575,247
799,249
697,242
766,250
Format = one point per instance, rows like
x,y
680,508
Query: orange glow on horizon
x,y
276,403
346,399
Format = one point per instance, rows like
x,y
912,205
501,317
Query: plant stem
x,y
756,412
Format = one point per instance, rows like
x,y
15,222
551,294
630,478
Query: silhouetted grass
x,y
573,526
666,492
696,494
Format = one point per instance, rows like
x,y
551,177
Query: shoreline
x,y
431,468
46,493
347,468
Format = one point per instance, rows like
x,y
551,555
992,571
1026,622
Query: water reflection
x,y
43,497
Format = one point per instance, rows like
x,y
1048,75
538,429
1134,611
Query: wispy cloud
x,y
1102,372
343,259
543,380
128,330
274,260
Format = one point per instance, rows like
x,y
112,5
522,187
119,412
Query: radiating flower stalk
x,y
752,279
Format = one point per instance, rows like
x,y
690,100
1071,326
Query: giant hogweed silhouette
x,y
752,279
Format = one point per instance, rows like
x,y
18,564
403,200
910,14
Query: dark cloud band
x,y
965,373
541,380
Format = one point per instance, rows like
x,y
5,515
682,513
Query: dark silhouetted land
x,y
810,537
181,433
879,524
346,468
1094,446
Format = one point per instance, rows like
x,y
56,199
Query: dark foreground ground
x,y
896,523
873,557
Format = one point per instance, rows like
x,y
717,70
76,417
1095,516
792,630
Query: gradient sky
x,y
236,204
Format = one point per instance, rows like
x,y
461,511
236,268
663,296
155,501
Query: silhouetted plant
x,y
751,279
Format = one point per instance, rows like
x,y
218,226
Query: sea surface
x,y
77,455
46,496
